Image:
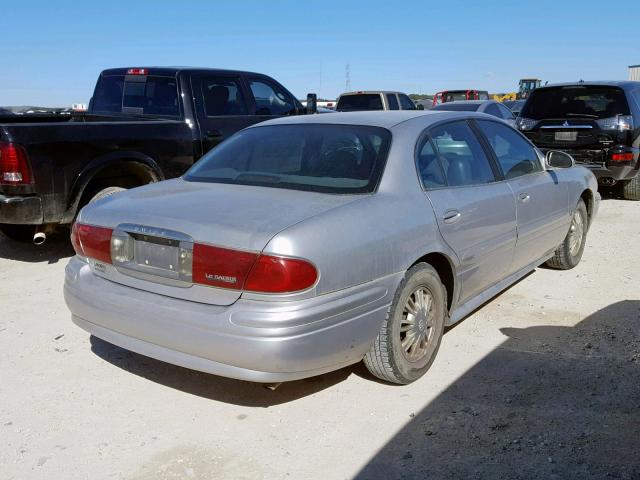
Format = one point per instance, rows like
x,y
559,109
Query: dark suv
x,y
598,123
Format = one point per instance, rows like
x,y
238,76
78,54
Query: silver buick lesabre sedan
x,y
305,244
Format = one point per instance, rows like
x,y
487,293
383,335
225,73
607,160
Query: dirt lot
x,y
543,382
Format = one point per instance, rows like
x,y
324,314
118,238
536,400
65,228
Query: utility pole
x,y
347,75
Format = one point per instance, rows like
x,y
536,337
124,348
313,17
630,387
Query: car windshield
x,y
358,102
458,107
312,157
576,101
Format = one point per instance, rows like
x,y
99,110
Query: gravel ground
x,y
542,382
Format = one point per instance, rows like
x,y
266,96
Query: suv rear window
x,y
576,101
145,95
361,101
311,157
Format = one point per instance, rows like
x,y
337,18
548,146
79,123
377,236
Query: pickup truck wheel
x,y
18,233
631,188
105,192
410,336
569,253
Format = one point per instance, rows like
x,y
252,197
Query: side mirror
x,y
419,107
558,159
312,103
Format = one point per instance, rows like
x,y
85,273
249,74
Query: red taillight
x,y
221,267
137,71
622,157
14,165
273,274
91,241
237,270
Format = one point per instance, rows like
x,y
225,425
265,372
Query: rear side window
x,y
312,157
223,96
506,113
362,101
492,109
429,167
270,99
148,95
461,155
576,101
406,102
392,101
515,155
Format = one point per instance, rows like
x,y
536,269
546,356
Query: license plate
x,y
566,136
156,255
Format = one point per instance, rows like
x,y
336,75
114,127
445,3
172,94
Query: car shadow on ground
x,y
550,402
54,249
217,388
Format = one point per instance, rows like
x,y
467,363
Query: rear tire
x,y
410,336
631,188
19,233
569,253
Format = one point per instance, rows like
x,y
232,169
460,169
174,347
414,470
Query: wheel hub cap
x,y
576,232
416,328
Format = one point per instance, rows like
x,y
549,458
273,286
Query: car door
x,y
221,107
476,214
542,201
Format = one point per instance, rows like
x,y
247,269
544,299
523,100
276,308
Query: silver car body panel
x,y
362,245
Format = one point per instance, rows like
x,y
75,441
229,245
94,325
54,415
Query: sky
x,y
51,52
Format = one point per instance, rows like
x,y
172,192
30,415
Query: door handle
x,y
524,197
451,216
214,134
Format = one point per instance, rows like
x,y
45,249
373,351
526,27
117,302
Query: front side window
x,y
515,155
312,157
223,96
271,100
406,102
392,101
461,155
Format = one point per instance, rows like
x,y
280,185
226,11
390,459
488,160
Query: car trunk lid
x,y
163,222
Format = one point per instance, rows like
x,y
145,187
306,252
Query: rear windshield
x,y
457,107
454,96
311,157
576,101
142,95
362,101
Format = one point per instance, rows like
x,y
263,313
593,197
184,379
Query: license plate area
x,y
158,255
565,136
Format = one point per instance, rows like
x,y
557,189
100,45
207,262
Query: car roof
x,y
468,102
374,118
598,83
172,71
362,92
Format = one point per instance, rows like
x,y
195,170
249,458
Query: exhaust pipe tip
x,y
39,238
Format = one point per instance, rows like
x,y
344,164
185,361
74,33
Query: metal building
x,y
634,72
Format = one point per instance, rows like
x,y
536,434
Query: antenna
x,y
347,78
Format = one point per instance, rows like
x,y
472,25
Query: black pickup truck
x,y
143,125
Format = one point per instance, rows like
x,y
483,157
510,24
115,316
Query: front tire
x,y
410,336
631,188
569,253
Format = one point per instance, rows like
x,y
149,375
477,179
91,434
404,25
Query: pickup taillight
x,y
14,165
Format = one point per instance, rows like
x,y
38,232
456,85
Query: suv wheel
x,y
631,188
410,336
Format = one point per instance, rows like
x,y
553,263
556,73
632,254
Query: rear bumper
x,y
251,340
21,210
